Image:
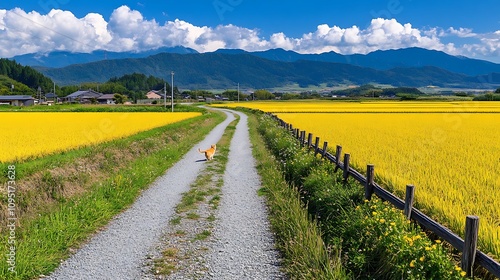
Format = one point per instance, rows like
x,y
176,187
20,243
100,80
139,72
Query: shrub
x,y
376,240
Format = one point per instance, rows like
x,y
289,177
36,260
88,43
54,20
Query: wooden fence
x,y
468,247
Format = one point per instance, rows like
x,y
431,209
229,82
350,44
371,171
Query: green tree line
x,y
133,86
24,75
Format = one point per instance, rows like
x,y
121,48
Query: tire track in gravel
x,y
243,246
120,249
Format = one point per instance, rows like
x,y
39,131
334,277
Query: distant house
x,y
106,99
83,96
162,96
51,96
17,100
50,99
153,95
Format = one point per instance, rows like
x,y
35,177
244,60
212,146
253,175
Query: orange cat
x,y
209,154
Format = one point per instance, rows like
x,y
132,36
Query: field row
x,y
33,134
371,107
452,158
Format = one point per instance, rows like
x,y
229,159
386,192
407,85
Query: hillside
x,y
388,59
58,59
222,70
23,77
19,88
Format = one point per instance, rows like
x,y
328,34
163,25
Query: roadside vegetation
x,y
62,199
299,238
353,238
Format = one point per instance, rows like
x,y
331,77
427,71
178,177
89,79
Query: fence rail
x,y
470,255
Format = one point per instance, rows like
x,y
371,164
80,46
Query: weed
x,y
203,235
192,216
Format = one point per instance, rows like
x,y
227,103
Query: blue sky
x,y
456,27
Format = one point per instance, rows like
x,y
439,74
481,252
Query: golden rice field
x,y
370,107
34,134
449,150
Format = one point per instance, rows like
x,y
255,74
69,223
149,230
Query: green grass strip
x,y
298,236
46,240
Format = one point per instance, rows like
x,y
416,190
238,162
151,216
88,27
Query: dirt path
x,y
240,247
243,246
119,251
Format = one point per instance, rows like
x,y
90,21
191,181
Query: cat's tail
x,y
199,150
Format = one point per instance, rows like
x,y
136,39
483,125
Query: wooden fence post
x,y
302,137
309,140
316,146
338,152
325,145
290,127
409,198
370,173
347,158
470,244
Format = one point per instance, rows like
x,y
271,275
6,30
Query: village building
x,y
153,95
17,100
83,96
106,99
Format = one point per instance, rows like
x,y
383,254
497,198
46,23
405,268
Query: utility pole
x,y
238,92
172,74
165,95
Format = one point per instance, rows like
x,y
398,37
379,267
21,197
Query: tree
x,y
25,74
263,94
497,91
119,98
289,96
231,94
111,88
461,94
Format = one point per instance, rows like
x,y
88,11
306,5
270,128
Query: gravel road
x,y
243,247
119,250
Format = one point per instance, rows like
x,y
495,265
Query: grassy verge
x,y
183,245
67,202
374,239
298,236
100,108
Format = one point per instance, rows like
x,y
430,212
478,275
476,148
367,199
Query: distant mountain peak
x,y
57,59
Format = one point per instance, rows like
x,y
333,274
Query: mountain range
x,y
413,67
60,59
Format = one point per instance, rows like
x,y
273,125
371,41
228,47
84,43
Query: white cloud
x,y
128,30
381,34
462,32
279,40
